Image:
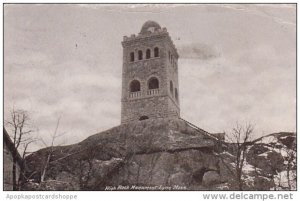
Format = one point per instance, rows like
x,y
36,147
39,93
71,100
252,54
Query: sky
x,y
237,63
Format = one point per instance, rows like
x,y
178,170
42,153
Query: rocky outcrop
x,y
162,152
157,154
274,159
270,162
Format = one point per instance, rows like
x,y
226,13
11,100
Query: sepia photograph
x,y
149,97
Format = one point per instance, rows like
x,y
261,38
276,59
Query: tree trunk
x,y
45,167
288,176
240,181
14,172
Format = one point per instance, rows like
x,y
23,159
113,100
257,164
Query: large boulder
x,y
211,178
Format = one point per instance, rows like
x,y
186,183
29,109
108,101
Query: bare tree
x,y
291,169
241,140
50,151
291,165
23,177
19,123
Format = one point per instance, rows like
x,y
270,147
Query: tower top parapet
x,y
150,29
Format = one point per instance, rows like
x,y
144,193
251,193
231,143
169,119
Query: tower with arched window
x,y
150,75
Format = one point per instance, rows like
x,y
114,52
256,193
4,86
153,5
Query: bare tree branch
x,y
240,140
18,124
54,136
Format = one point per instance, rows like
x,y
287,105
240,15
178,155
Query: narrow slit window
x,y
131,56
140,54
171,87
156,52
148,54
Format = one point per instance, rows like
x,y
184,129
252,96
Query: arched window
x,y
171,87
153,83
135,86
148,54
176,94
131,56
169,56
156,52
143,118
140,53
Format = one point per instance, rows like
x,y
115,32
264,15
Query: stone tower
x,y
150,75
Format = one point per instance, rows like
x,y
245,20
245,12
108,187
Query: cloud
x,y
198,51
282,14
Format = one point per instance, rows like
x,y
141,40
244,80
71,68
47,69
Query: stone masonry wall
x,y
156,104
172,70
